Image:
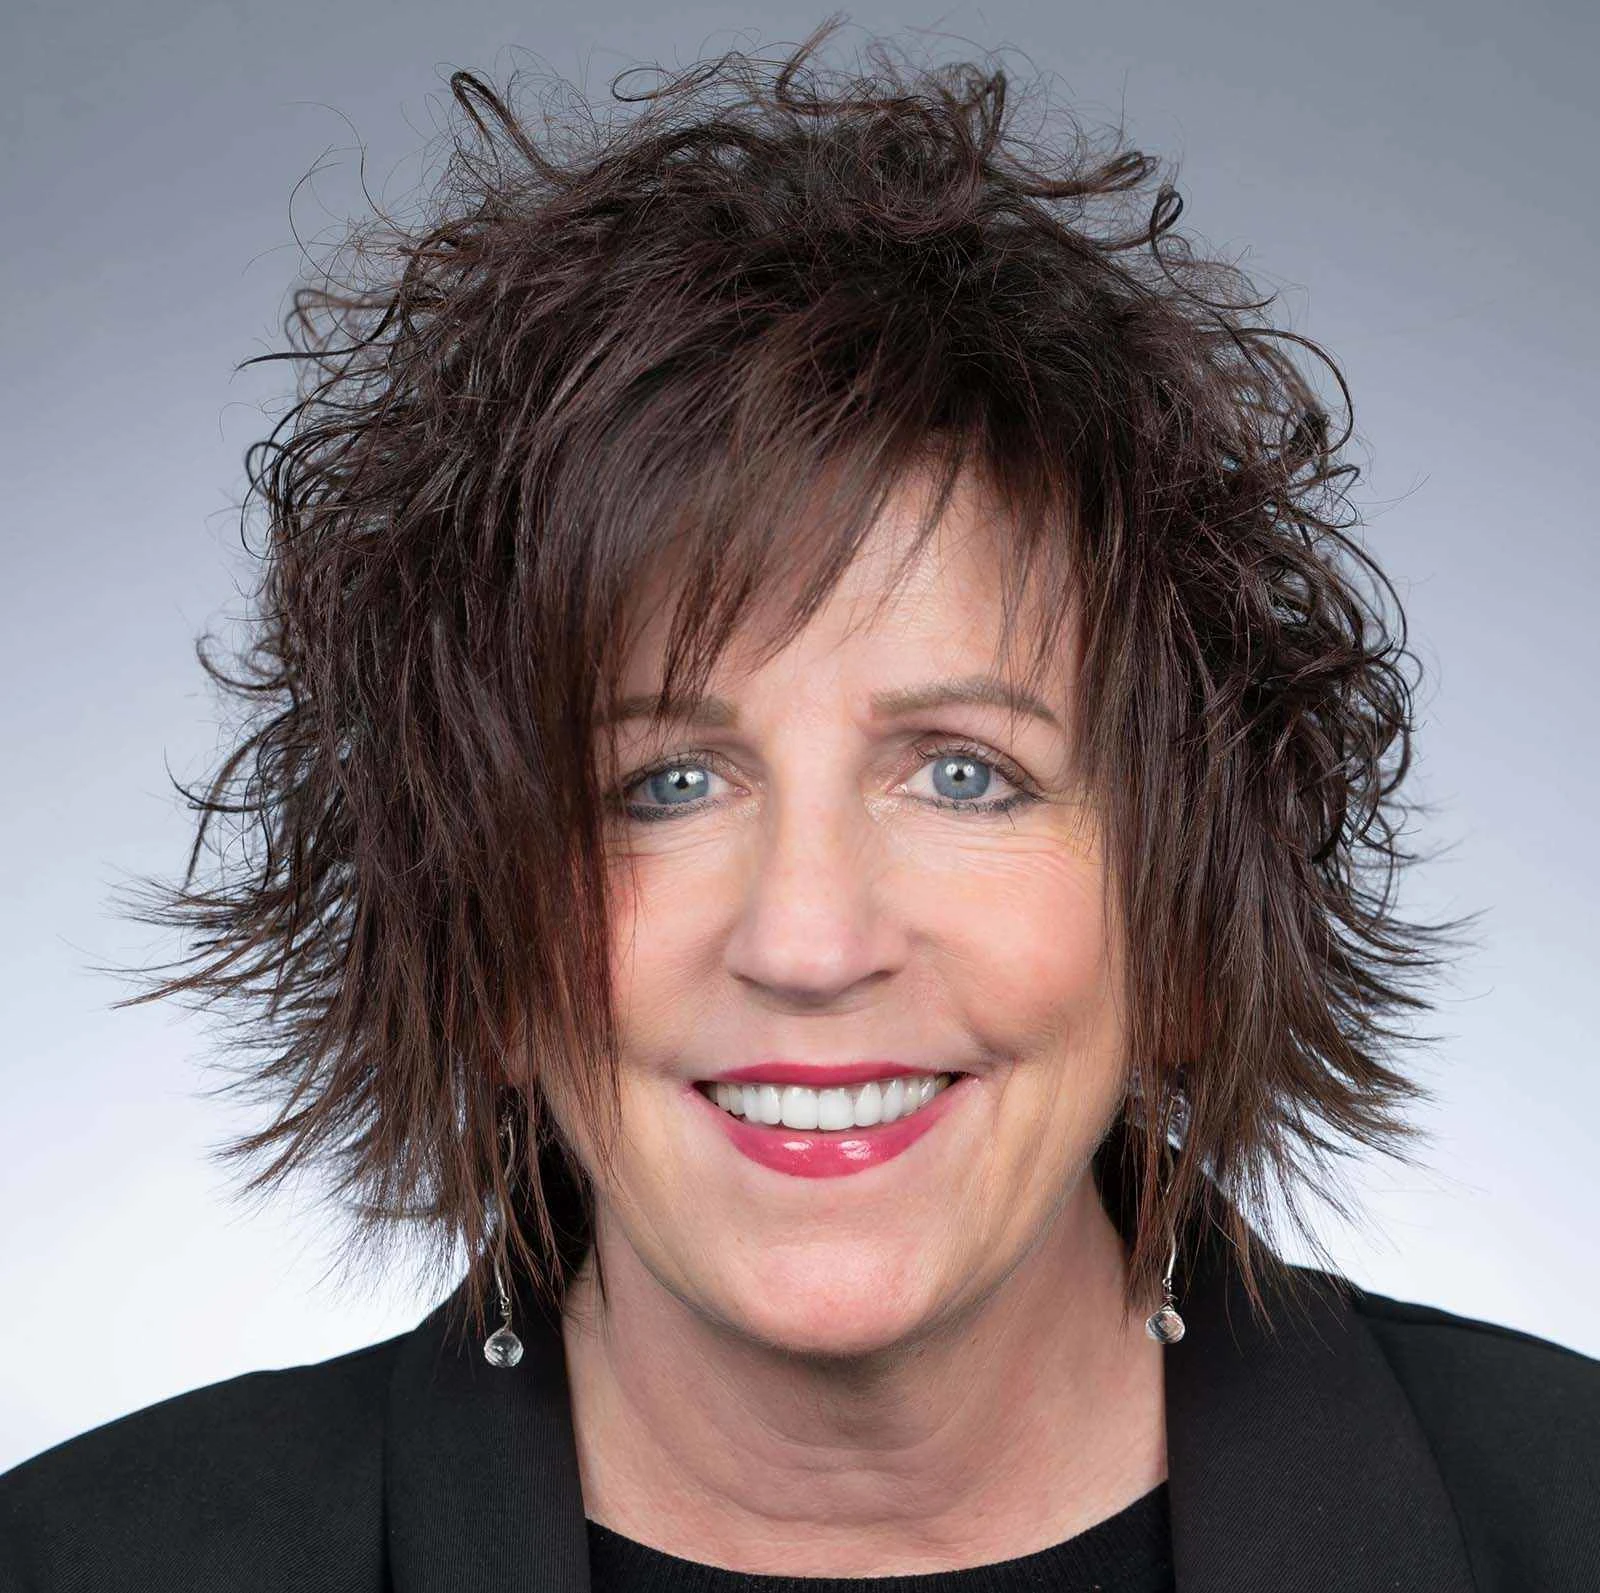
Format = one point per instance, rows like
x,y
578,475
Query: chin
x,y
830,1309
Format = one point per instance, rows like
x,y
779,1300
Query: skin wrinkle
x,y
930,1364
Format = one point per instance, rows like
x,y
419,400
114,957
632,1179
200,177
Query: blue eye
x,y
962,774
676,784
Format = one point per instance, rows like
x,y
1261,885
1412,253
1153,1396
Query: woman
x,y
828,813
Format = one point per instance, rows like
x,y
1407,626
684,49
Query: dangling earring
x,y
1164,1324
503,1347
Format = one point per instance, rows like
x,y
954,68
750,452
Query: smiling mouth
x,y
837,1109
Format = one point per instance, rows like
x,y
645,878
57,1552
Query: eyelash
x,y
1025,793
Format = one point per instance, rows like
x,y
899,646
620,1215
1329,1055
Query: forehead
x,y
923,616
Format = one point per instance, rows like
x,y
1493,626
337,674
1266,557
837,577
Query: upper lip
x,y
819,1075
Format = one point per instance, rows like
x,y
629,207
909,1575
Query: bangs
x,y
753,554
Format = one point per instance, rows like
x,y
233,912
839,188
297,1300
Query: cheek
x,y
669,914
1023,934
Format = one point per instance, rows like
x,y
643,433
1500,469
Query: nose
x,y
815,927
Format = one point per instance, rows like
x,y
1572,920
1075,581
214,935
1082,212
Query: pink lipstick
x,y
827,1153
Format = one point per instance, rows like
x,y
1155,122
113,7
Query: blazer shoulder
x,y
1514,1424
1487,1363
270,1479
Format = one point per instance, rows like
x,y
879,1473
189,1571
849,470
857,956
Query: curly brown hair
x,y
754,302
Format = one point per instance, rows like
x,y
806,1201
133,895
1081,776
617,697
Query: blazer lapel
x,y
1295,1461
481,1465
1296,1464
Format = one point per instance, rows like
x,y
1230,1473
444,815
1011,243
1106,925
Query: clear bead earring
x,y
1164,1324
502,1347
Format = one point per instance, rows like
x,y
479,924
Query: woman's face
x,y
825,876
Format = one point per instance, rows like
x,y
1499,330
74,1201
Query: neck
x,y
1034,1415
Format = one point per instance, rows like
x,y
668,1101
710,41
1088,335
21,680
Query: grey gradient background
x,y
1416,179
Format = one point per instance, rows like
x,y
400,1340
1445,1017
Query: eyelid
x,y
965,746
688,757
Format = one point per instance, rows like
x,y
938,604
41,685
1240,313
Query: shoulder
x,y
273,1479
1514,1424
1491,1373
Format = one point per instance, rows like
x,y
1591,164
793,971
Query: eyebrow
x,y
718,712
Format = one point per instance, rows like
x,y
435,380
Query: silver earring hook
x,y
503,1292
1164,1324
503,1348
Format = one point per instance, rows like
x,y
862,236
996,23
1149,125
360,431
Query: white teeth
x,y
796,1106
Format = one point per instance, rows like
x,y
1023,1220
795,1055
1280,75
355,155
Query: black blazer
x,y
1359,1444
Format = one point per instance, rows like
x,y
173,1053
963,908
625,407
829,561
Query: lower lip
x,y
805,1153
